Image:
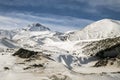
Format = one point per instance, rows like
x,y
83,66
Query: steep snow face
x,y
7,43
105,28
7,34
38,27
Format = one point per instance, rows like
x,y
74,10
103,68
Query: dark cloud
x,y
88,9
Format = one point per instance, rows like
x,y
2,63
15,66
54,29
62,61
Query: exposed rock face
x,y
23,53
104,48
111,52
107,51
108,62
101,63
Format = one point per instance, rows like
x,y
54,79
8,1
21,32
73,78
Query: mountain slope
x,y
105,28
7,43
48,55
109,47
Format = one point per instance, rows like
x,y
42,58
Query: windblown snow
x,y
38,53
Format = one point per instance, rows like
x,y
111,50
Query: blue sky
x,y
86,11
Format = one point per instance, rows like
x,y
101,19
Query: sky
x,y
59,14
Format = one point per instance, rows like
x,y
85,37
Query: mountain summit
x,y
105,28
38,27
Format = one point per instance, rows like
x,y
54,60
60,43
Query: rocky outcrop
x,y
104,48
23,53
107,51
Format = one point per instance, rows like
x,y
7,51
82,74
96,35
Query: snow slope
x,y
105,28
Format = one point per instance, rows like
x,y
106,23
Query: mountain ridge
x,y
104,28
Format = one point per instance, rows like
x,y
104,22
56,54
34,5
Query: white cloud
x,y
62,23
11,23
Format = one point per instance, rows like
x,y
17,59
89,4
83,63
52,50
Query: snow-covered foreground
x,y
19,69
37,53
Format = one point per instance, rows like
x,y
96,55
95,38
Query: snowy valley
x,y
38,53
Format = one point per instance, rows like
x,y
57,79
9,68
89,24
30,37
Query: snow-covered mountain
x,y
38,27
105,28
73,55
37,35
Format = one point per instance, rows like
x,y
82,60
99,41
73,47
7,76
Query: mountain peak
x,y
105,28
38,27
107,21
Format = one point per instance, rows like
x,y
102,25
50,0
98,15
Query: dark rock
x,y
109,47
111,52
105,61
37,65
34,66
6,68
38,24
60,77
26,68
63,38
20,63
38,27
100,63
111,63
29,59
23,53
